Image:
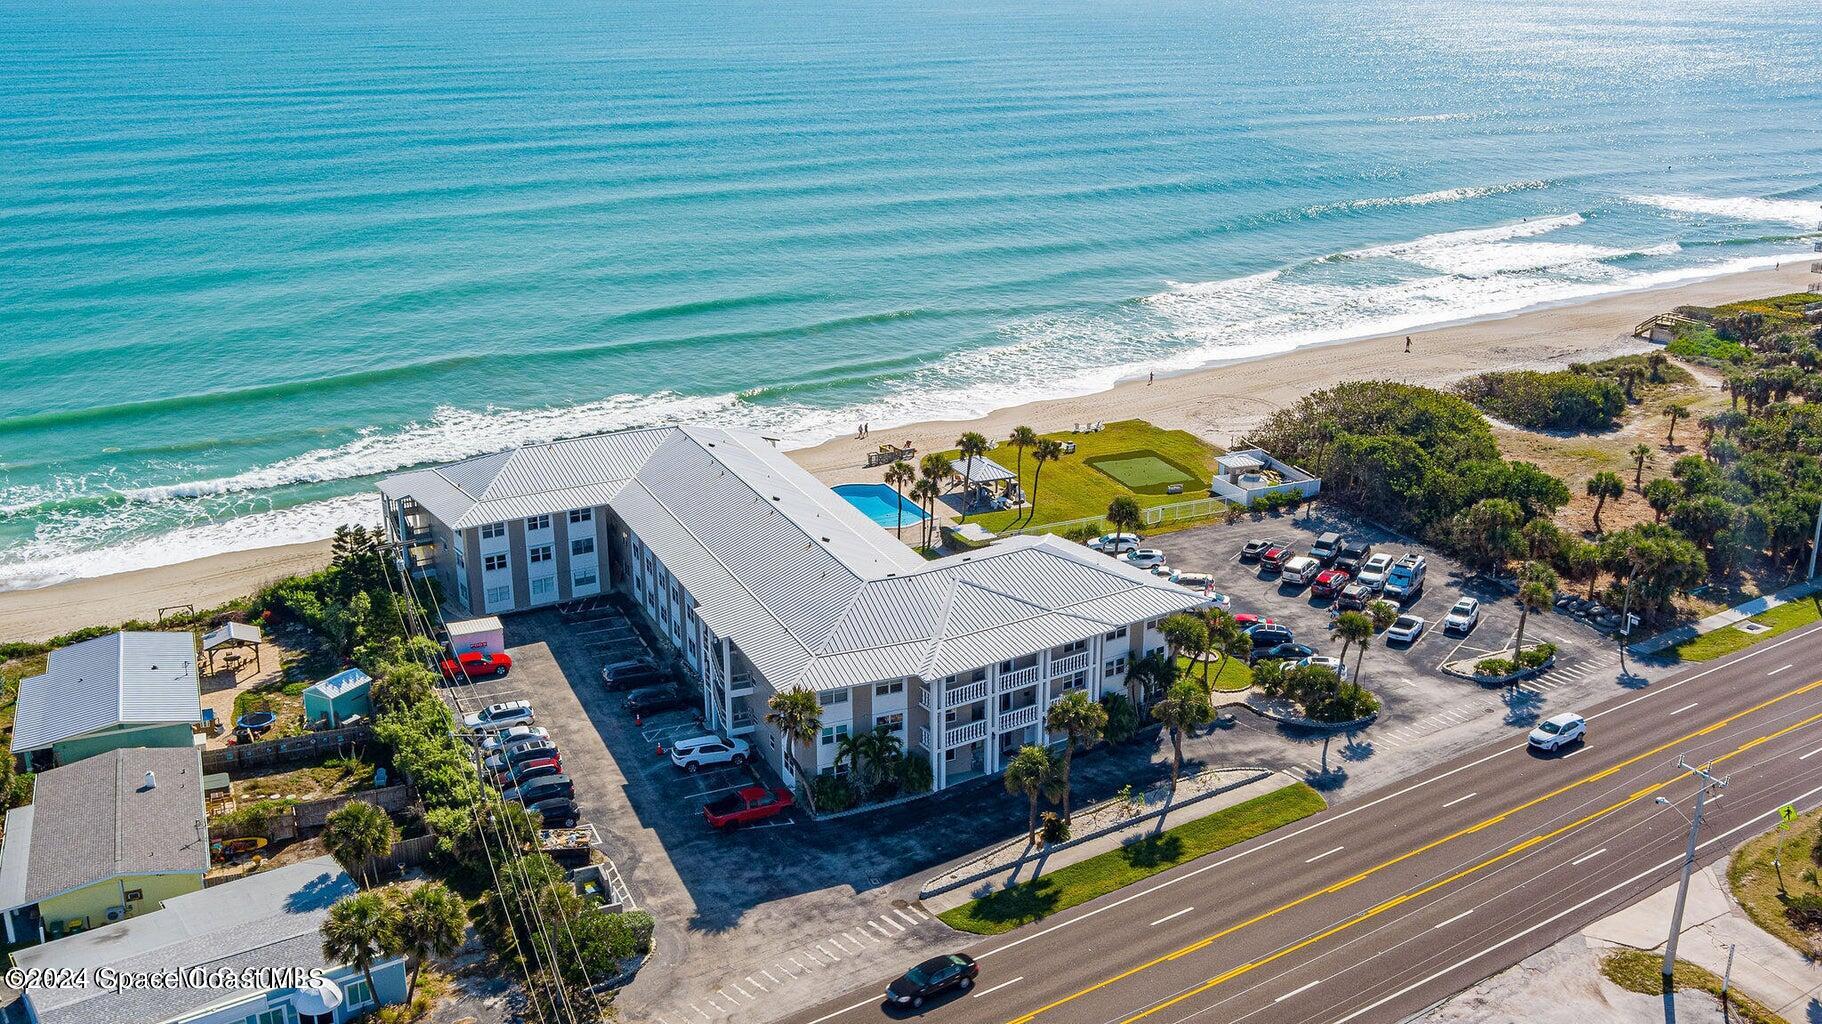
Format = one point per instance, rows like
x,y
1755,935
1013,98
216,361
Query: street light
x,y
1682,892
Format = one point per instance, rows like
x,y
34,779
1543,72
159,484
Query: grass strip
x,y
1101,874
1770,870
1237,676
1638,971
1727,639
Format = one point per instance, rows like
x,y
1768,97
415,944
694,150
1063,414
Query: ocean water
x,y
254,254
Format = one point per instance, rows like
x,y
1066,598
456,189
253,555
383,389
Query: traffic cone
x,y
660,748
638,719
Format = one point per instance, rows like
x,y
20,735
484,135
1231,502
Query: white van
x,y
1300,570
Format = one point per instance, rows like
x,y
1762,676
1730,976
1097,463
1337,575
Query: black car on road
x,y
654,698
933,977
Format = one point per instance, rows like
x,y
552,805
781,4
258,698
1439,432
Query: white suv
x,y
500,717
1115,543
1374,572
699,751
1558,732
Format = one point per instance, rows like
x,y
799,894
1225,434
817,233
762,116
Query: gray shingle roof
x,y
267,920
121,679
95,820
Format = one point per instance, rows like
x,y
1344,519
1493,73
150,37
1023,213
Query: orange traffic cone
x,y
638,719
660,748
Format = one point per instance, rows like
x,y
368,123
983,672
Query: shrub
x,y
255,819
1562,399
1805,911
1495,667
1053,829
1122,717
1535,657
1268,676
831,793
914,774
1082,532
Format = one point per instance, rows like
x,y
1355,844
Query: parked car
x,y
1271,634
476,665
1279,652
1353,555
1319,661
500,717
1559,731
931,978
632,677
1405,629
1354,597
1192,580
557,812
653,698
542,789
1329,582
1463,617
504,761
1274,558
1405,582
1143,558
527,771
1327,547
518,734
1245,619
1216,599
1115,543
1299,570
1374,570
747,805
1256,549
708,751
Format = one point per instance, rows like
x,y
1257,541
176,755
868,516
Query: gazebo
x,y
980,477
232,636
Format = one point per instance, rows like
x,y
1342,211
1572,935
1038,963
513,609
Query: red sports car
x,y
1329,582
754,803
1245,619
475,664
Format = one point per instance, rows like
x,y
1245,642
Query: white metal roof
x,y
121,679
469,627
978,469
232,632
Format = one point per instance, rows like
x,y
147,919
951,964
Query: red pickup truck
x,y
746,806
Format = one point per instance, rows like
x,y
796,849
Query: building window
x,y
497,596
582,515
359,994
833,733
494,563
537,522
582,546
541,553
1073,681
309,1018
493,531
279,1017
894,721
886,689
949,755
1115,665
583,579
460,562
833,697
1117,634
543,586
1067,649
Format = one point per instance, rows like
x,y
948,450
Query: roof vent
x,y
825,540
151,781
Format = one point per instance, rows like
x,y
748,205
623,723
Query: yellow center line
x,y
1419,851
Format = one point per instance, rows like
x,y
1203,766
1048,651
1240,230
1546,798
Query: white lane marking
x,y
1775,671
1170,917
1811,754
1655,690
1296,991
1574,752
1319,856
1460,799
1452,920
996,988
846,1009
1587,857
1751,822
1684,708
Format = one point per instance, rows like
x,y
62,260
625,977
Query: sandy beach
x,y
1219,402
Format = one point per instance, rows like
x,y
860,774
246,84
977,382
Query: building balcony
x,y
743,684
923,737
1018,718
960,734
1022,677
956,696
1073,663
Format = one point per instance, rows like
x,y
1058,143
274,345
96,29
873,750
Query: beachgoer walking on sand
x,y
1152,379
1407,343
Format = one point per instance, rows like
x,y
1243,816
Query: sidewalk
x,y
1102,844
1719,620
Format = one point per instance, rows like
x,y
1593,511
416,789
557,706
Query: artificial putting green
x,y
1143,471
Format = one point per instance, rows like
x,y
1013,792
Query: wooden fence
x,y
267,753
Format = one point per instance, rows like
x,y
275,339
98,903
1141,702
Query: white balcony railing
x,y
1018,718
923,698
965,733
1014,680
923,736
743,684
1074,663
956,696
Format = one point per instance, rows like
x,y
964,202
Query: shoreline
x,y
1221,402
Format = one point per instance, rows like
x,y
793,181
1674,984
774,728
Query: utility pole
x,y
1625,626
1682,892
1815,541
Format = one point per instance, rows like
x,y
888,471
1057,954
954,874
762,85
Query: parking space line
x,y
863,935
756,984
769,974
825,952
897,929
904,915
876,926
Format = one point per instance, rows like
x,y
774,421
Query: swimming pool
x,y
881,503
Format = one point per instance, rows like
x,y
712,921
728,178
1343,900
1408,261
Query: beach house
x,y
104,839
268,922
128,689
763,580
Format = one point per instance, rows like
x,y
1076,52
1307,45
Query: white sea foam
x,y
1446,195
1801,213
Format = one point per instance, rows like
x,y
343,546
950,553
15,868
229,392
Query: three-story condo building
x,y
764,581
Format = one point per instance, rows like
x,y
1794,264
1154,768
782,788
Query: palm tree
x,y
1537,584
1123,514
854,749
1676,411
1047,450
1030,772
898,475
1022,438
356,833
1601,486
431,922
927,493
1641,454
360,930
1225,637
972,445
1353,628
1661,494
1187,635
797,715
1084,721
1182,709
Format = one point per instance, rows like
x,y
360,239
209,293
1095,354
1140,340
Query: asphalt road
x,y
1374,910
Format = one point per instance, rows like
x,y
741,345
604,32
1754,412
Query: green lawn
x,y
1073,489
1762,889
1097,876
1727,639
1237,676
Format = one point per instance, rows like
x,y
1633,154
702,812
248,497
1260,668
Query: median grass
x,y
1637,971
1757,886
1727,639
1099,875
1237,676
